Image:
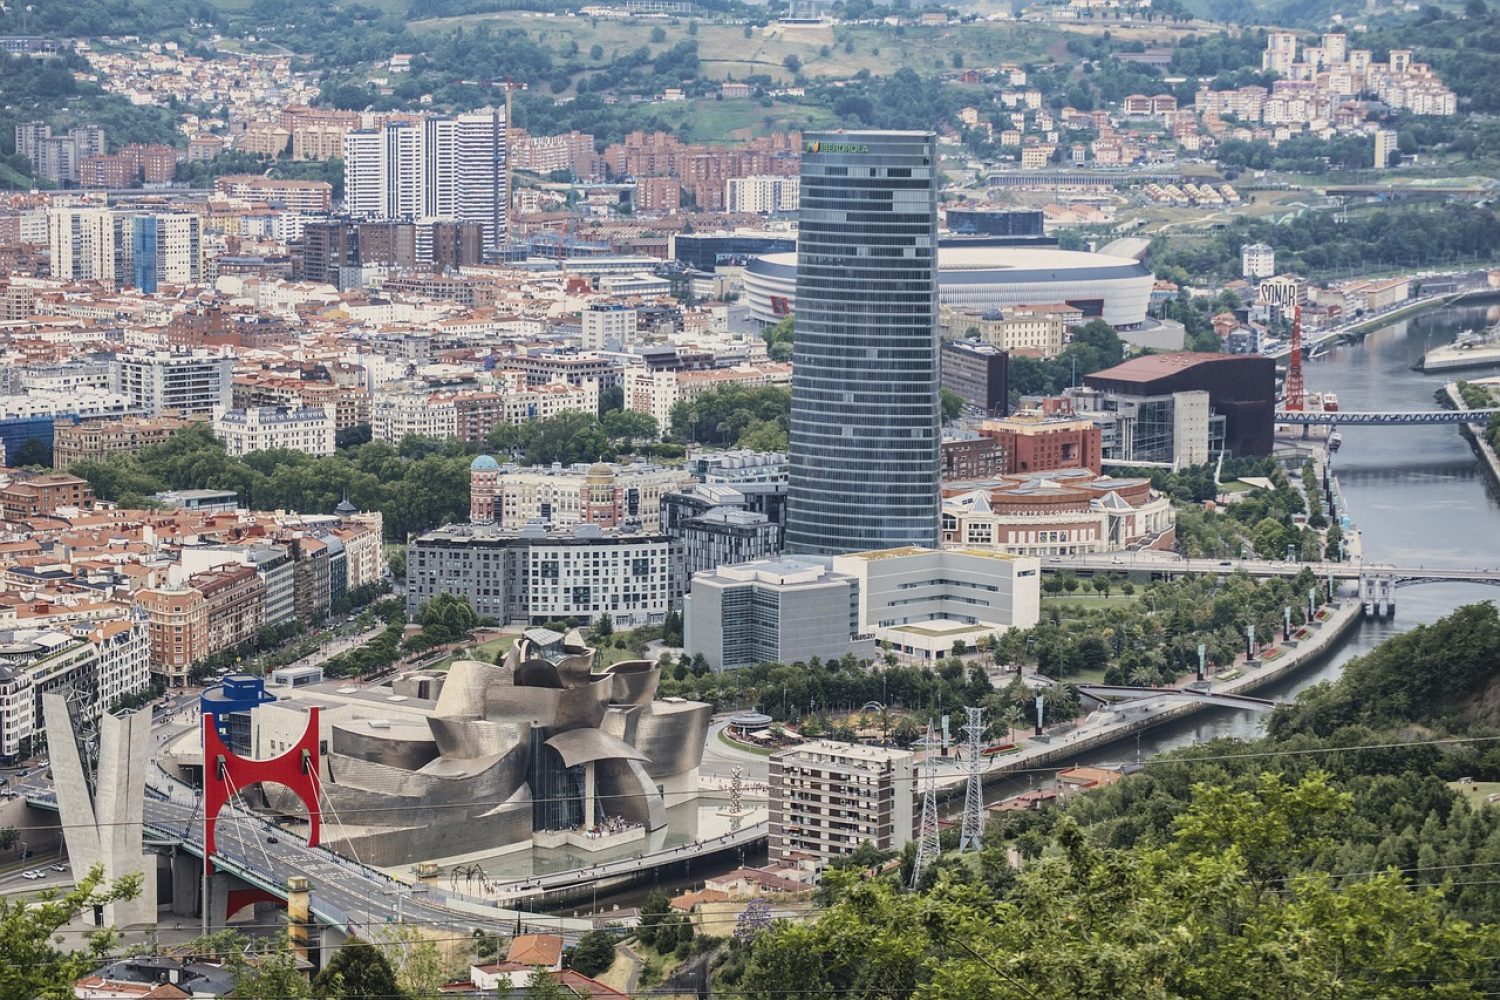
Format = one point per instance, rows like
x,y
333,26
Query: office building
x,y
864,421
535,576
265,428
725,534
1241,391
1179,429
1037,332
785,610
183,382
828,798
979,373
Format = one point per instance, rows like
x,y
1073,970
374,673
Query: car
x,y
272,840
1225,562
58,867
32,875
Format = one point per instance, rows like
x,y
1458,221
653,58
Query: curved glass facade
x,y
864,426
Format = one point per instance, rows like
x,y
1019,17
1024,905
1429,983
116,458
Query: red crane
x,y
1292,396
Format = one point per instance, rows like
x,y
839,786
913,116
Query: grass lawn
x,y
1476,792
758,751
484,651
1090,600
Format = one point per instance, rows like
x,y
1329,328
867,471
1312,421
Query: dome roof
x,y
483,463
601,471
345,507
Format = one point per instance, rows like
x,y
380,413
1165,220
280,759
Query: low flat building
x,y
923,602
828,798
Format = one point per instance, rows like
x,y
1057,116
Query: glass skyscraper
x,y
865,423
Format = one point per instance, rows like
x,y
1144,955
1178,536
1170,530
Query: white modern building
x,y
440,168
762,194
828,798
265,428
1115,289
924,601
607,326
196,381
511,496
89,243
1257,260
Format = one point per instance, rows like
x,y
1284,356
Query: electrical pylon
x,y
928,847
973,824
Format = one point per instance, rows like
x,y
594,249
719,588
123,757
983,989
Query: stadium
x,y
1116,289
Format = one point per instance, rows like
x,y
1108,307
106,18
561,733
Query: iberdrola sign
x,y
836,147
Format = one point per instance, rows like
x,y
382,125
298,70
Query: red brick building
x,y
1036,442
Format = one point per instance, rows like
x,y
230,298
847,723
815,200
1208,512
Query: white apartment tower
x,y
1385,147
1257,260
89,243
1280,54
195,381
444,168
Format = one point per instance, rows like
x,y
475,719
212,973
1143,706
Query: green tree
x,y
272,975
594,953
952,404
357,971
35,964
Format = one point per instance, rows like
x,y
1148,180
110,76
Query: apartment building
x,y
184,382
762,195
656,392
603,494
97,666
177,619
1025,330
828,798
263,428
535,575
94,440
27,495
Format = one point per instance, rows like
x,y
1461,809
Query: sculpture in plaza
x,y
546,740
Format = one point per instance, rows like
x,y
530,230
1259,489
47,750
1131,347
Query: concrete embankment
x,y
1488,459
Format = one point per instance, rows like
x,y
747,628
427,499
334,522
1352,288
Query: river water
x,y
1417,494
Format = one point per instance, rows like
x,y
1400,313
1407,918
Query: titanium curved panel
x,y
575,669
671,735
440,783
463,739
626,790
521,704
402,745
539,673
619,722
579,746
635,681
583,707
467,682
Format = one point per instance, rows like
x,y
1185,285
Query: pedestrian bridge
x,y
1118,692
1394,418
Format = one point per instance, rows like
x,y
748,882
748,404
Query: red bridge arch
x,y
225,771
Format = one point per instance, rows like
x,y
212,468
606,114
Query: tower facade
x,y
865,428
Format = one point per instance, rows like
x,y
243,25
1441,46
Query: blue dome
x,y
483,463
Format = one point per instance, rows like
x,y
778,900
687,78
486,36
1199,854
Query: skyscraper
x,y
864,427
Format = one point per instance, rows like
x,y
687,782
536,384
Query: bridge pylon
x,y
1377,592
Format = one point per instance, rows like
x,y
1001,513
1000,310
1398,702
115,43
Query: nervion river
x,y
1417,494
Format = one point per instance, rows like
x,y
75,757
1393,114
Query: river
x,y
1417,494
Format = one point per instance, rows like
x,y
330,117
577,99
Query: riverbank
x,y
1488,459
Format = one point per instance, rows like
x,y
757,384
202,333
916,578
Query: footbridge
x,y
1118,692
1393,418
1167,565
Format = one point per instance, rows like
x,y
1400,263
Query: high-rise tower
x,y
864,425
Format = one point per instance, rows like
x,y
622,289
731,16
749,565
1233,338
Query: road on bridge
x,y
1162,562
